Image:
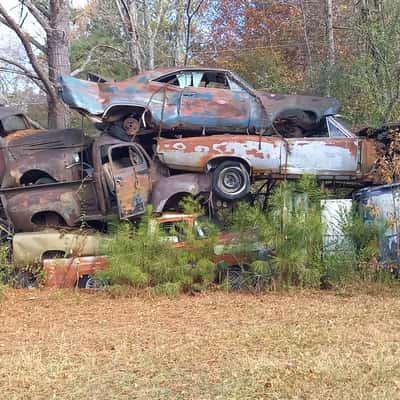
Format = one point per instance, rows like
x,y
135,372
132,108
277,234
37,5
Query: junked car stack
x,y
166,134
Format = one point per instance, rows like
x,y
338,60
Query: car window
x,y
183,79
234,86
214,80
335,129
175,229
205,79
127,156
14,123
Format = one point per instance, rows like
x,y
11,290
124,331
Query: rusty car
x,y
192,99
331,151
80,270
37,156
117,179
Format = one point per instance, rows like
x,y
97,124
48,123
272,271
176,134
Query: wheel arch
x,y
32,175
215,161
38,218
116,112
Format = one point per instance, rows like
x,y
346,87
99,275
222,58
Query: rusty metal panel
x,y
132,192
320,156
194,153
63,199
369,155
167,187
65,272
214,108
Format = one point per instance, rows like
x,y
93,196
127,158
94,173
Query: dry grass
x,y
308,345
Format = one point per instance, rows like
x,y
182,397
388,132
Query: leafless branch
x,y
49,88
34,123
35,42
39,16
33,78
42,8
90,56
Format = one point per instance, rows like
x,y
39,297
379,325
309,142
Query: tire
x,y
90,282
231,180
44,180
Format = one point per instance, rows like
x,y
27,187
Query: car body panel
x,y
328,156
29,248
65,272
53,152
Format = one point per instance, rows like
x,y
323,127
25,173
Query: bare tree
x,y
54,18
141,21
180,32
192,8
330,35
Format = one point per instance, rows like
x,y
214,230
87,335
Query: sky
x,y
30,26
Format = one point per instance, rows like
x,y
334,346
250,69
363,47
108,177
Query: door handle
x,y
118,180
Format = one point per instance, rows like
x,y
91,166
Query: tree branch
x,y
90,55
39,16
35,42
43,9
49,88
33,78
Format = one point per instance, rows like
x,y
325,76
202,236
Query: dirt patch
x,y
310,345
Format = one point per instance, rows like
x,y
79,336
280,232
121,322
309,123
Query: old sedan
x,y
330,152
192,99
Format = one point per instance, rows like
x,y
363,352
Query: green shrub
x,y
143,257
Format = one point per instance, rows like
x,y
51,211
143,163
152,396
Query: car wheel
x,y
231,180
90,282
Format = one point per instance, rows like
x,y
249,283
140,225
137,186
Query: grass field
x,y
303,345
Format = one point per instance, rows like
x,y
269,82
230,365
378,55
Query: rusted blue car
x,y
202,100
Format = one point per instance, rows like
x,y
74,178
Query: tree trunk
x,y
331,43
179,51
135,56
58,59
150,38
331,39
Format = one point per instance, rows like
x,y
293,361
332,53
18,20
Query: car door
x,y
335,154
211,104
130,169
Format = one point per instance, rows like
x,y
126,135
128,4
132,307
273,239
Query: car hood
x,y
278,105
93,99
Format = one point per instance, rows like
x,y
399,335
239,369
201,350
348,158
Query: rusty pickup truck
x,y
117,179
